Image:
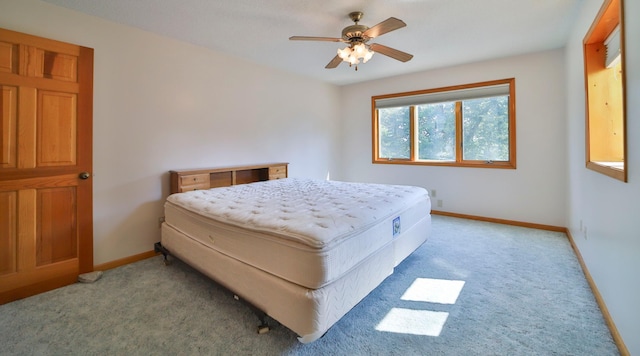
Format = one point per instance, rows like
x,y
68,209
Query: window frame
x,y
598,102
459,162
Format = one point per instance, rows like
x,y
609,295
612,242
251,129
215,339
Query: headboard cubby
x,y
206,178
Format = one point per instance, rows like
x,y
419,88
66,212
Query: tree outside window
x,y
469,125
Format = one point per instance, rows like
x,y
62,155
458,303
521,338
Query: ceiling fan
x,y
357,36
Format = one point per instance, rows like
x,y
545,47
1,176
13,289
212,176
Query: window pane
x,y
394,129
470,125
485,129
437,131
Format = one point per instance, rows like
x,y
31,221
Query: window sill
x,y
479,164
614,170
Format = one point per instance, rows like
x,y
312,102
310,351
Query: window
x,y
470,125
605,86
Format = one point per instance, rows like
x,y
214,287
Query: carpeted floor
x,y
474,288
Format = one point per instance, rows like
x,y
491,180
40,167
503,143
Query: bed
x,y
302,251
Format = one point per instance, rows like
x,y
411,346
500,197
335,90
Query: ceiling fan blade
x,y
391,52
334,62
310,38
383,27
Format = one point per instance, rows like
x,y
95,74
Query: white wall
x,y
608,208
161,104
534,192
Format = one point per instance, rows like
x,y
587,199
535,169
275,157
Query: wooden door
x,y
46,227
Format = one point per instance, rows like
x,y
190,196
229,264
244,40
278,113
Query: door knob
x,y
84,175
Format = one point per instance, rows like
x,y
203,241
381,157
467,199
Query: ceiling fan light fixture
x,y
353,53
367,56
356,36
344,53
359,49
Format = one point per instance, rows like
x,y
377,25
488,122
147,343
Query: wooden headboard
x,y
205,178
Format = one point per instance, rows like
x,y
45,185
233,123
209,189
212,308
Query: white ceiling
x,y
439,33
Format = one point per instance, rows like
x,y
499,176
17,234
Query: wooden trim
x,y
501,221
610,15
623,51
608,171
125,261
85,163
606,20
622,348
459,162
511,108
466,164
442,89
459,128
374,132
413,133
512,124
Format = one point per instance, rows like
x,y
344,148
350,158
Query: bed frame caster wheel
x,y
158,248
263,327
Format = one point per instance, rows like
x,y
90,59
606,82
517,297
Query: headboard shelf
x,y
206,178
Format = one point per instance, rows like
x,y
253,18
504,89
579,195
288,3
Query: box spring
x,y
307,312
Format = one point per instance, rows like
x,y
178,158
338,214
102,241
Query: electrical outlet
x,y
585,232
581,225
433,193
439,203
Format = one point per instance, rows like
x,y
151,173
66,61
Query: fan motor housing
x,y
354,32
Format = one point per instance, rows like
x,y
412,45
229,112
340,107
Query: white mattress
x,y
308,232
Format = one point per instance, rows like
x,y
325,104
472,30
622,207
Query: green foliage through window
x,y
471,125
395,135
485,129
437,132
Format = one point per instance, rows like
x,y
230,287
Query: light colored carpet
x,y
512,291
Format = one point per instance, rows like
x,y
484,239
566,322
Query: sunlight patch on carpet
x,y
430,290
414,322
422,322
